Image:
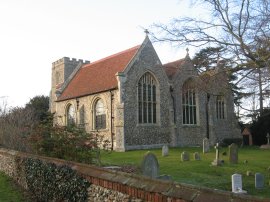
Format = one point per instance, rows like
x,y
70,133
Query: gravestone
x,y
150,166
249,173
259,181
266,146
197,156
216,161
184,156
233,153
165,150
206,145
237,184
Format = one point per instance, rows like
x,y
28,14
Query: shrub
x,y
69,143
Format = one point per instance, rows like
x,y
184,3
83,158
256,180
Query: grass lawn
x,y
8,191
201,172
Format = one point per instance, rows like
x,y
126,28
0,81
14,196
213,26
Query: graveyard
x,y
190,165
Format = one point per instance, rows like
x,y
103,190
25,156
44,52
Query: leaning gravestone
x,y
184,156
233,153
197,156
237,184
259,181
206,145
150,166
165,150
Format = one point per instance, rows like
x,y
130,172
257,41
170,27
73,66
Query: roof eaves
x,y
87,94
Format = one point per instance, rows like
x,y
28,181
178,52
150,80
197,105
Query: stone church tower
x,y
62,72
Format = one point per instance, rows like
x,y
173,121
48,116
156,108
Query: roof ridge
x,y
182,59
111,56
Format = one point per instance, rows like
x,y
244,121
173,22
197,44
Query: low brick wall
x,y
109,185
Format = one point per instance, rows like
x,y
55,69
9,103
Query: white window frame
x,y
101,112
70,115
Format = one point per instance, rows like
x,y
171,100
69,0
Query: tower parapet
x,y
61,71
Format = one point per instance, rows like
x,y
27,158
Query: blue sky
x,y
35,33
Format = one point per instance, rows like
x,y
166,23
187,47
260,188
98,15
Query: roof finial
x,y
187,51
146,32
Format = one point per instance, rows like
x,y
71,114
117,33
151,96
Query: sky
x,y
35,33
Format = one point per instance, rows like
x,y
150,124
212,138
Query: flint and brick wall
x,y
108,185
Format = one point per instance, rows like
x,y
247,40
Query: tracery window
x,y
100,115
189,105
220,107
70,114
147,99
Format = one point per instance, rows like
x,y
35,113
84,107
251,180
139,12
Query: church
x,y
134,101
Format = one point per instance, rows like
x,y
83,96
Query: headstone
x,y
237,184
217,161
268,138
165,150
150,166
206,145
249,173
197,156
184,156
259,181
233,153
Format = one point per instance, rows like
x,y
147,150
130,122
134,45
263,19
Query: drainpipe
x,y
112,117
207,115
77,111
173,102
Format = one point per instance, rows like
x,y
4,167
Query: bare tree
x,y
241,26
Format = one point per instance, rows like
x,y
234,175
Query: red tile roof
x,y
98,76
172,67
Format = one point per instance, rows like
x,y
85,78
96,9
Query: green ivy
x,y
48,182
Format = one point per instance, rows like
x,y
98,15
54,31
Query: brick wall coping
x,y
134,184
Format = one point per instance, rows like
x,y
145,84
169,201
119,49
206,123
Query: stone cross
x,y
146,31
268,137
217,162
217,151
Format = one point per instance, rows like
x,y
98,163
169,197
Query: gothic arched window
x,y
220,107
70,114
99,115
147,99
189,105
